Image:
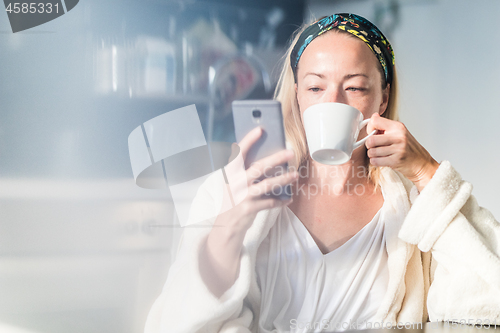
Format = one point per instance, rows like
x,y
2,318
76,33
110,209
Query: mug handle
x,y
360,142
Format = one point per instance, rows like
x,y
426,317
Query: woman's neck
x,y
337,179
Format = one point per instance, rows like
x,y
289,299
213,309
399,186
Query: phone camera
x,y
256,113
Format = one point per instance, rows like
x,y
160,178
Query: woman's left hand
x,y
395,147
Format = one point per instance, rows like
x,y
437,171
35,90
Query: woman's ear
x,y
385,99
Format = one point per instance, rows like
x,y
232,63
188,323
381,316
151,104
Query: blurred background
x,y
82,248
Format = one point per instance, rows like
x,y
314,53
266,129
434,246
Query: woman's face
x,y
337,67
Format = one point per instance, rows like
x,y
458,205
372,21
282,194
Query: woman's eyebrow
x,y
346,77
321,76
350,76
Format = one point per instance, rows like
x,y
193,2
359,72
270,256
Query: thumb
x,y
374,123
235,149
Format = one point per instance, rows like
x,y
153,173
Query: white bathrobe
x,y
443,258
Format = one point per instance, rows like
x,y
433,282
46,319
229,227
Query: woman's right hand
x,y
240,218
220,257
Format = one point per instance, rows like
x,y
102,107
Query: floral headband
x,y
356,25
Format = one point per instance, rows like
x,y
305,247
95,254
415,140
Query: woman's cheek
x,y
365,105
304,101
311,98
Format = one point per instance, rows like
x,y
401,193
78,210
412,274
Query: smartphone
x,y
249,114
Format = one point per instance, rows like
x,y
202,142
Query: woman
x,y
412,246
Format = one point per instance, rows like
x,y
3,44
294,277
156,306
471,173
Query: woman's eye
x,y
314,89
355,89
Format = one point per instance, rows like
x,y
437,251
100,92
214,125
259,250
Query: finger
x,y
381,140
380,151
372,124
383,161
249,139
273,185
383,124
265,165
269,203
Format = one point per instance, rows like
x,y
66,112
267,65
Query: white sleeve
x,y
186,304
464,240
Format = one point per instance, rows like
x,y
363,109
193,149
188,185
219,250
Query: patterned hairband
x,y
356,25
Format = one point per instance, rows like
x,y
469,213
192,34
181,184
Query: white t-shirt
x,y
304,290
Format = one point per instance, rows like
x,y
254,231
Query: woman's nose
x,y
335,96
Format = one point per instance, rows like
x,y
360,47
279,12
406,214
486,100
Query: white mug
x,y
331,132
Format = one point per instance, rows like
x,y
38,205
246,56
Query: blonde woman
x,y
395,238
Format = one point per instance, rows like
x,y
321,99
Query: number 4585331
x,y
32,8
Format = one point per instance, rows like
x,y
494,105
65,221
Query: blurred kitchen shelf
x,y
177,99
77,190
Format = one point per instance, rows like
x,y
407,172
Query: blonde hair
x,y
294,129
